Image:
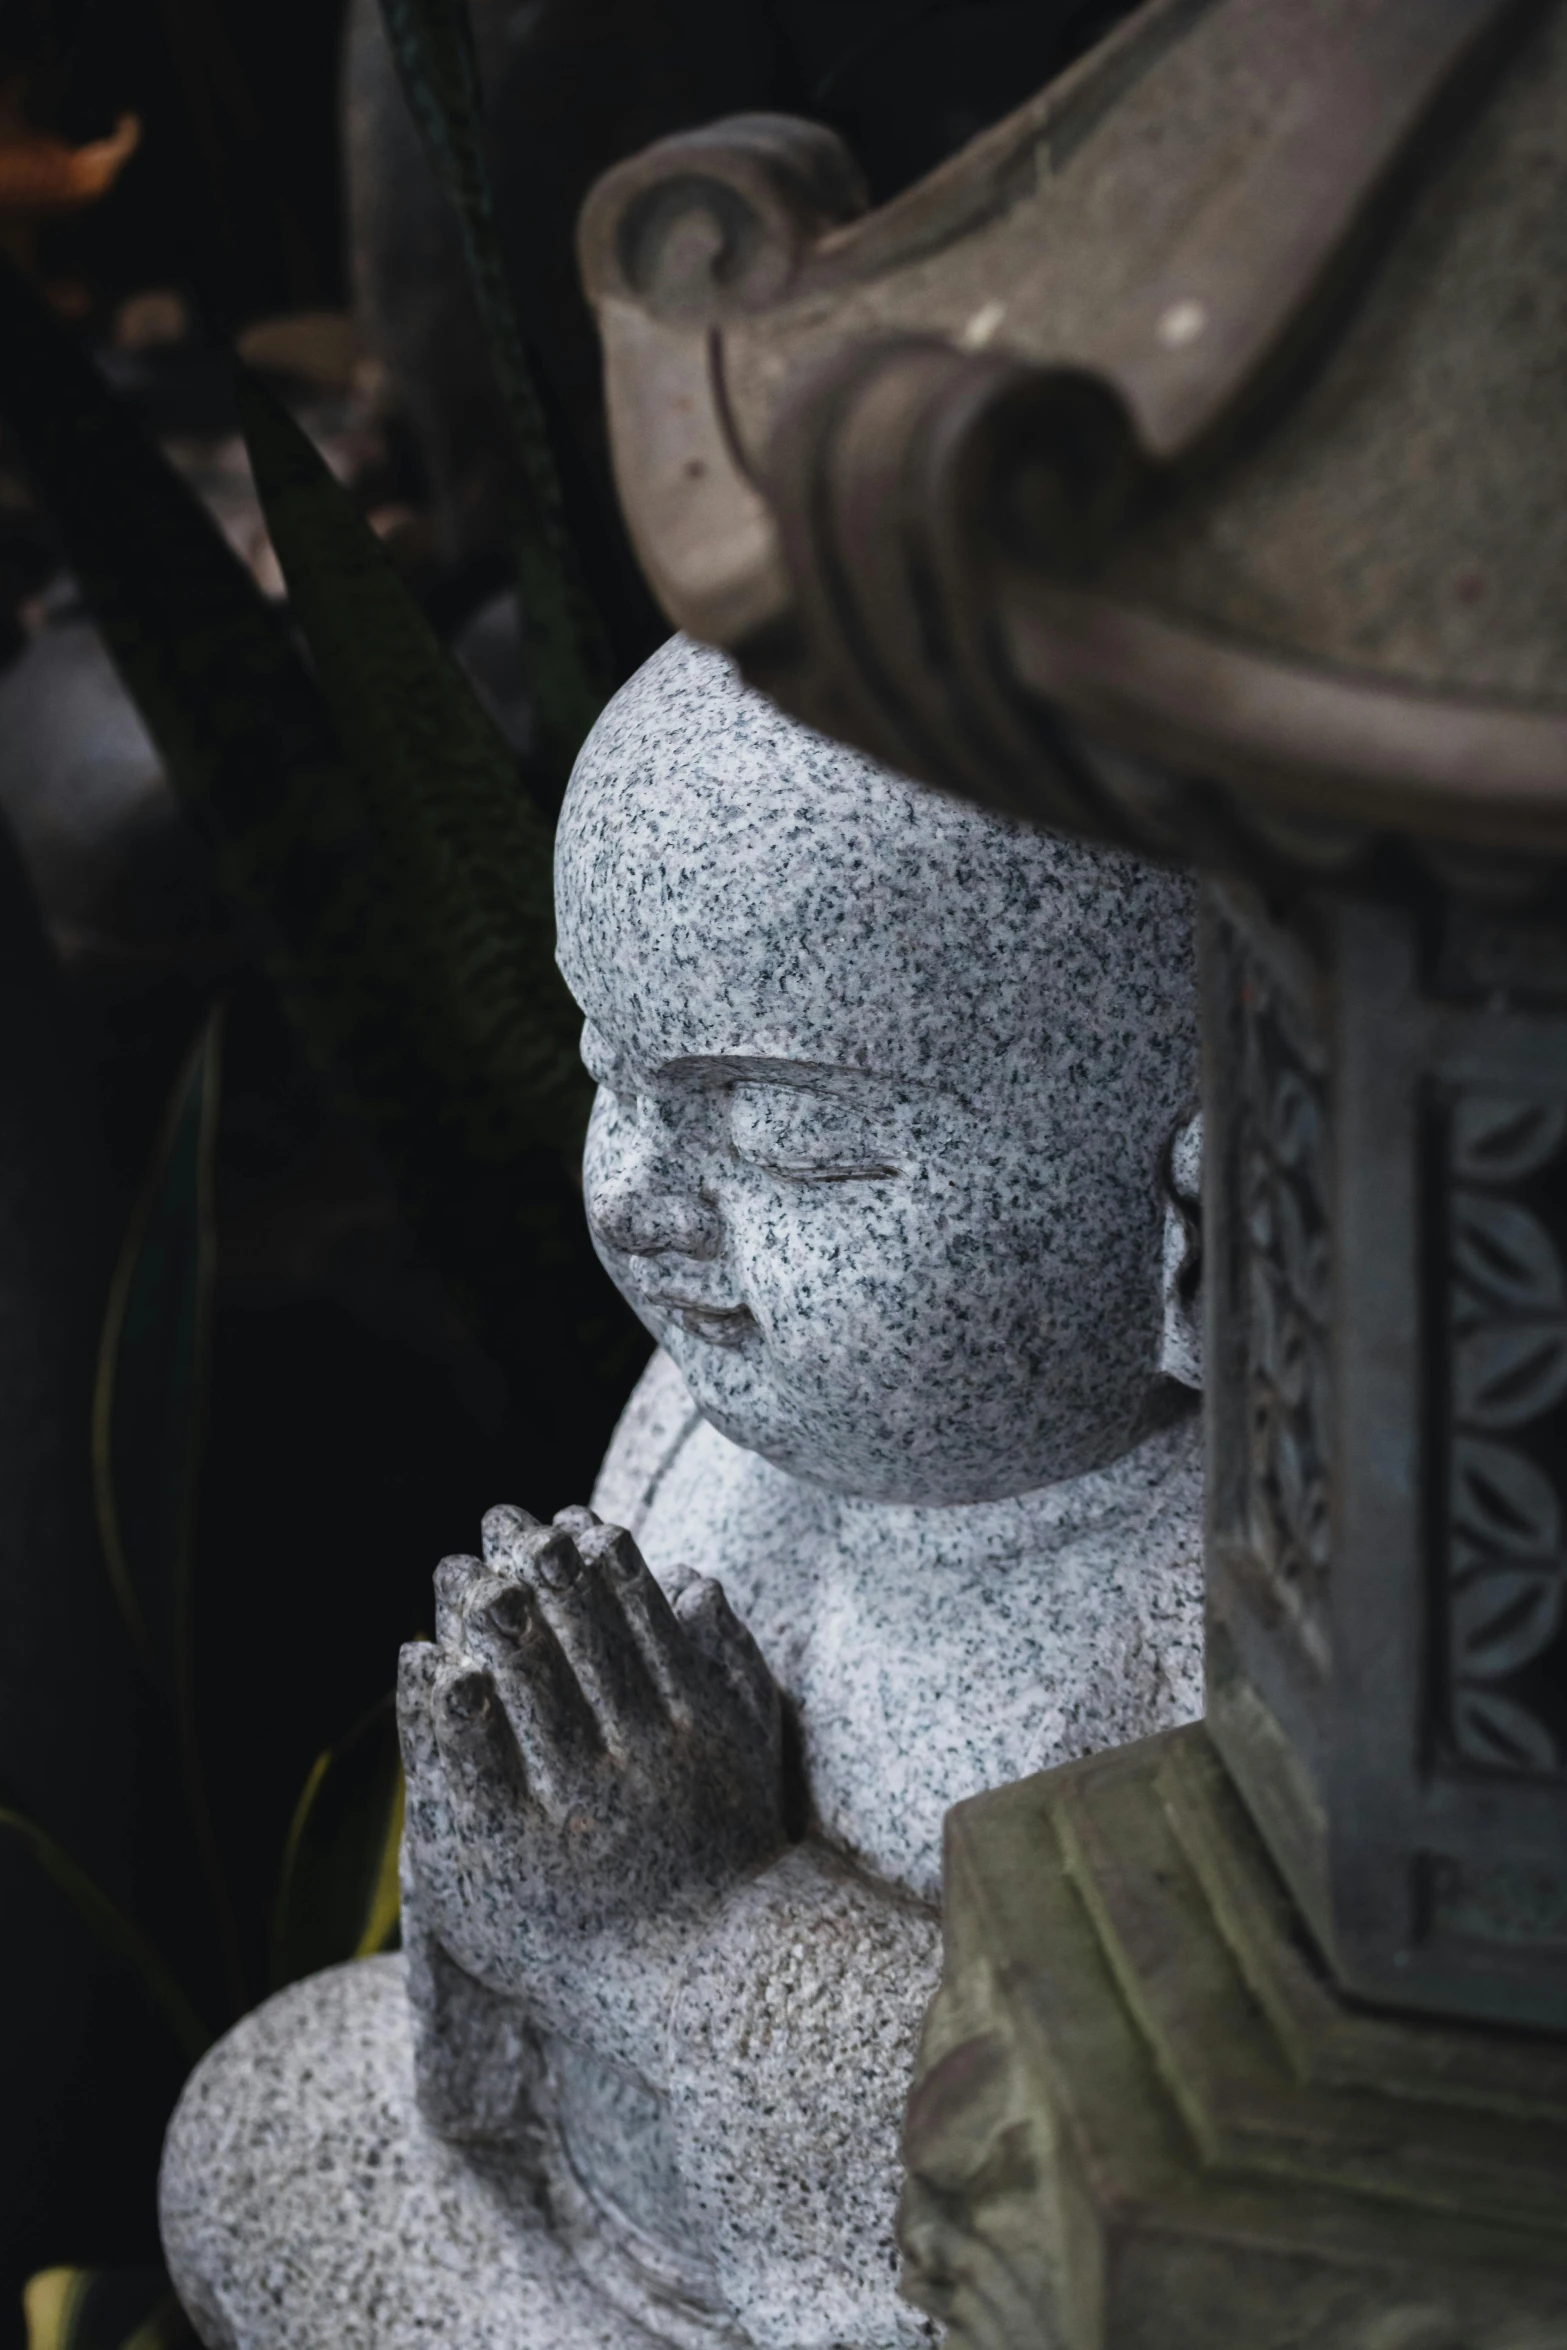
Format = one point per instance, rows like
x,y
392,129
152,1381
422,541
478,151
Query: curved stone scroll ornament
x,y
906,466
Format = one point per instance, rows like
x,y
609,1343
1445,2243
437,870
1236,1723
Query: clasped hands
x,y
590,1766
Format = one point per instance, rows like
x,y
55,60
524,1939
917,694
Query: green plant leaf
x,y
117,1933
149,1399
213,669
568,664
464,851
210,665
103,2309
481,1100
149,1427
338,1890
244,731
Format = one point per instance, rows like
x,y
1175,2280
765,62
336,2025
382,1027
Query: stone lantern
x,y
1184,465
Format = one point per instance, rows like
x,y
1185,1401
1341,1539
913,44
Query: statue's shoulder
x,y
656,1423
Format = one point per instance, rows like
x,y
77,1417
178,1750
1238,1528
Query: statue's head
x,y
888,1090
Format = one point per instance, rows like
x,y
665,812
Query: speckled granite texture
x,y
893,1152
885,1088
372,2229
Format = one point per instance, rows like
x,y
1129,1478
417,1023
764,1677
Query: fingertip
x,y
417,1663
576,1520
503,1528
503,1626
556,1563
465,1697
511,1613
612,1548
702,1600
711,1625
467,1716
453,1577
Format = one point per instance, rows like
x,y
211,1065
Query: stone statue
x,y
894,1154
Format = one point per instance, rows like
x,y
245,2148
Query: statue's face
x,y
884,1090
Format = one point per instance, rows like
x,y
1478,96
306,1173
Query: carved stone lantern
x,y
1184,464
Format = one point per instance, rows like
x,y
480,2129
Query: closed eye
x,y
806,1137
820,1171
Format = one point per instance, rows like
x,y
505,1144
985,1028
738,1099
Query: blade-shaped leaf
x,y
338,1888
1508,1373
149,1401
209,664
213,670
149,1426
1503,1500
1505,1251
568,669
1503,1621
1499,1138
1493,1730
466,854
103,2309
118,1934
245,734
482,1091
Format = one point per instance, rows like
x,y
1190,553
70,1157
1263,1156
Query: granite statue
x,y
894,1152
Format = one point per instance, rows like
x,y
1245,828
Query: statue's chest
x,y
932,1654
936,1668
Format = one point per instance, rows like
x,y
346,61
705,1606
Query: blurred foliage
x,y
370,818
104,2309
463,974
152,1370
120,1936
149,1423
372,827
338,1891
433,46
42,177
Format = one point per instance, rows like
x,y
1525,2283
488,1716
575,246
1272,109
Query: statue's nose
x,y
644,1197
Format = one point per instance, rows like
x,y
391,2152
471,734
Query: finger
x,y
417,1662
502,1527
552,1724
452,1579
428,1810
471,1734
645,1612
576,1520
710,1624
582,1612
475,1780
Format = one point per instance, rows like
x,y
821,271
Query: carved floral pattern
x,y
1283,1134
1507,1531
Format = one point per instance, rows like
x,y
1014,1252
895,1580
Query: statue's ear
x,y
1180,1347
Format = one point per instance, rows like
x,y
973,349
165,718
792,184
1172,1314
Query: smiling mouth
x,y
720,1325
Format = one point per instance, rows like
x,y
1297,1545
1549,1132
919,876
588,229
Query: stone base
x,y
1144,2120
306,2206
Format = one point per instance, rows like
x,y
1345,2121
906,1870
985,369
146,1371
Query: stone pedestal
x,y
1387,1665
1146,2117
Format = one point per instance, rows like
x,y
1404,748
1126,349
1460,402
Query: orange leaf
x,y
41,177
